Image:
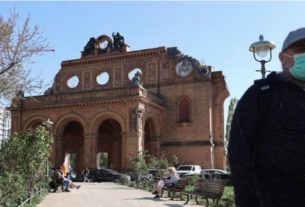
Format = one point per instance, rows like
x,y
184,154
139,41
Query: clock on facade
x,y
184,68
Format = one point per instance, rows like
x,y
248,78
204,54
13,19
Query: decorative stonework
x,y
143,108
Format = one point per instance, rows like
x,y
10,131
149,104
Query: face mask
x,y
298,69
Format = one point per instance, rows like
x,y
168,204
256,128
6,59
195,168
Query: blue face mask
x,y
298,69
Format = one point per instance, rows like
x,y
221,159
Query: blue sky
x,y
216,33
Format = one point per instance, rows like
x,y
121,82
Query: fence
x,y
31,196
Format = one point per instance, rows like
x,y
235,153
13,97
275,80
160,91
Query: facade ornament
x,y
202,71
104,44
139,113
118,41
48,92
137,80
89,49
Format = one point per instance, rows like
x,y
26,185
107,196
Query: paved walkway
x,y
108,195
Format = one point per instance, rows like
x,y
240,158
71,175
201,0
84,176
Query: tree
x,y
17,46
232,106
23,158
139,163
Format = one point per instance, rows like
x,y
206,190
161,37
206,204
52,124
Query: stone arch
x,y
156,120
109,143
95,130
151,129
33,121
66,118
60,146
96,121
73,147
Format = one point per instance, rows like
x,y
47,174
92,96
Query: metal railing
x,y
31,196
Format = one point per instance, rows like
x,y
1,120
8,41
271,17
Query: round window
x,y
102,78
103,45
73,82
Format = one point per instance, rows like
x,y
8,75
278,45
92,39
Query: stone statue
x,y
202,71
118,41
137,80
49,91
90,47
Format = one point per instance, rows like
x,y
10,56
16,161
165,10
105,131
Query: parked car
x,y
216,174
99,175
187,170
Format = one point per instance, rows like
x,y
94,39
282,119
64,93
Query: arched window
x,y
184,110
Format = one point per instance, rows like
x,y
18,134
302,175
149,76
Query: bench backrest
x,y
181,184
211,188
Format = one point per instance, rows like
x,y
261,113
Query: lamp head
x,y
261,47
48,123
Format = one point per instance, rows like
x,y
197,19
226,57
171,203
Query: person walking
x,y
267,138
85,174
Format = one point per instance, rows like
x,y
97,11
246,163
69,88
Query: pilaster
x,y
90,150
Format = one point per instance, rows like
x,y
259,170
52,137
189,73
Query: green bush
x,y
12,187
23,159
124,179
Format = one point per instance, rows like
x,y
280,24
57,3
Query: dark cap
x,y
293,37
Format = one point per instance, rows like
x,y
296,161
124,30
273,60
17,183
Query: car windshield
x,y
185,168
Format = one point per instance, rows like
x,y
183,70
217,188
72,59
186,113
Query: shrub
x,y
12,187
23,160
124,179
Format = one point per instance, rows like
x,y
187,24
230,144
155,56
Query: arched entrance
x,y
150,137
34,124
109,145
73,144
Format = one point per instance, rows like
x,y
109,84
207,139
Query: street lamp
x,y
48,123
261,49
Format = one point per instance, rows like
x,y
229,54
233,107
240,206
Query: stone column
x,y
59,154
140,134
90,148
128,149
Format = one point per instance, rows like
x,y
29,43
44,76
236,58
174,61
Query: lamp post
x,y
261,49
48,123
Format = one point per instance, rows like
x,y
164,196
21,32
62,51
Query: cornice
x,y
93,102
115,57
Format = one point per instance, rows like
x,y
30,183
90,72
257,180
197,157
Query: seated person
x,y
60,179
59,174
167,181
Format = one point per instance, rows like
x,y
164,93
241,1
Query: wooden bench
x,y
179,187
207,189
54,184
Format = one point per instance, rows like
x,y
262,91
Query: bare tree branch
x,y
17,46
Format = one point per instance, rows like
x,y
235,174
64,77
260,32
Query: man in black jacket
x,y
267,140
